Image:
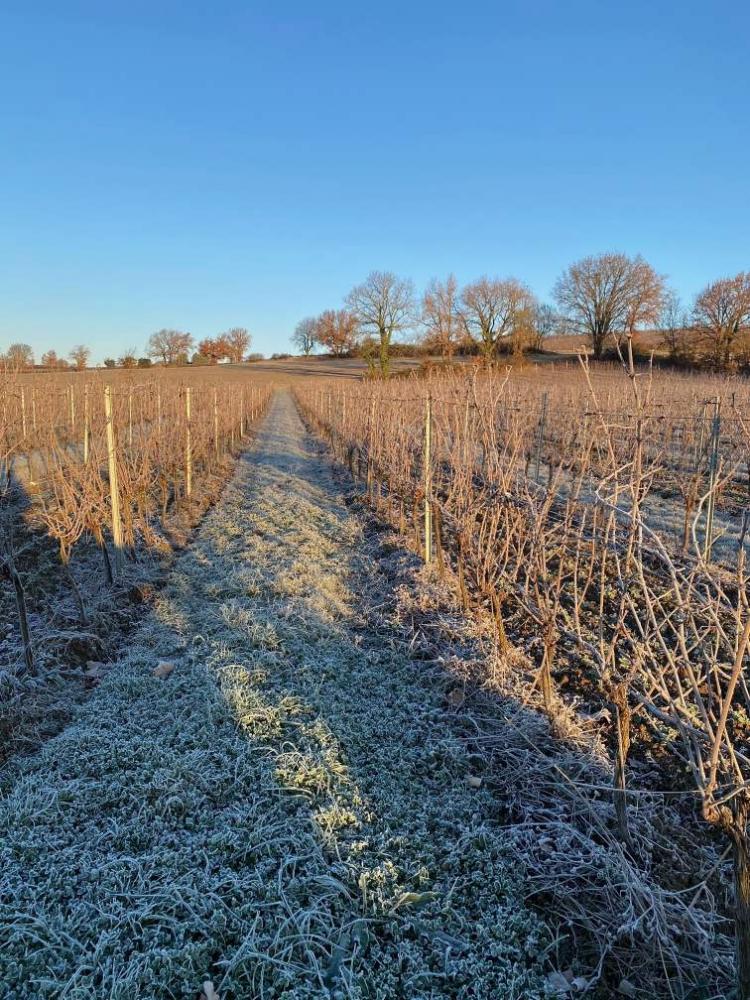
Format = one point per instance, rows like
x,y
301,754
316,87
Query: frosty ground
x,y
287,814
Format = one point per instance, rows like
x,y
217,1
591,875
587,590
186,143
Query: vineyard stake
x,y
428,480
114,491
188,448
216,422
85,425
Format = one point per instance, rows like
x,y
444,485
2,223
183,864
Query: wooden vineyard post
x,y
242,413
114,491
427,461
188,447
33,410
713,468
72,408
86,425
216,422
23,413
130,418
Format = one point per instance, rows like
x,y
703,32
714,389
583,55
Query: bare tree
x,y
441,317
238,342
383,305
720,312
19,356
304,337
608,295
546,322
80,356
645,297
336,330
674,327
170,346
493,309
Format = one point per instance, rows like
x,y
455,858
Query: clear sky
x,y
217,164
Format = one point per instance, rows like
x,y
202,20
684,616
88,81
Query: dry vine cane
x,y
667,629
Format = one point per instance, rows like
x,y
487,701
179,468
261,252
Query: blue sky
x,y
209,165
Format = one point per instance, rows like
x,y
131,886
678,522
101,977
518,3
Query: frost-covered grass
x,y
286,814
34,705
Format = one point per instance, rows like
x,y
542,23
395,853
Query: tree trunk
x,y
597,343
385,361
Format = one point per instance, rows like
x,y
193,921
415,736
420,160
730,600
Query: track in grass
x,y
286,814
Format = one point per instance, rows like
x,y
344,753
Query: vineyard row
x,y
568,525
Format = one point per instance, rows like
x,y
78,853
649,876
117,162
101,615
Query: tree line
x,y
166,347
608,298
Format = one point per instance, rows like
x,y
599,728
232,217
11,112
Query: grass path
x,y
287,814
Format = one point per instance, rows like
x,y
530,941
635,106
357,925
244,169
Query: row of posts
x,y
117,529
325,408
713,467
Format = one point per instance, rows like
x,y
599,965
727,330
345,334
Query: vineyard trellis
x,y
610,510
110,460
